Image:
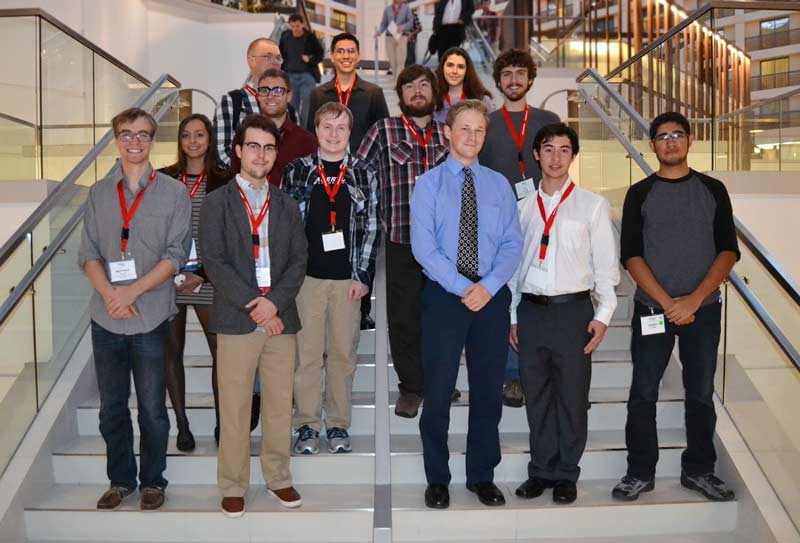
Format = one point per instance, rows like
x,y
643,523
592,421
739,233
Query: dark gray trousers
x,y
555,377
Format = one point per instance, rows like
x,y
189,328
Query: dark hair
x,y
210,161
276,72
333,110
344,36
294,17
414,72
669,117
130,115
473,88
259,122
514,57
550,131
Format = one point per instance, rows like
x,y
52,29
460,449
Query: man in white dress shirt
x,y
569,257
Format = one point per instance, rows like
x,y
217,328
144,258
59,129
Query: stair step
x,y
668,509
191,513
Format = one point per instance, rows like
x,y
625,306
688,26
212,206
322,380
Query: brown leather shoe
x,y
287,496
151,498
233,507
512,394
112,498
407,405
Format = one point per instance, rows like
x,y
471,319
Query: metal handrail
x,y
38,12
483,44
18,292
72,177
617,97
784,96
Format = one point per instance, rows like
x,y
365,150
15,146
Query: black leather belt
x,y
552,300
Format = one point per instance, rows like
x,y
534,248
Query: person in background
x,y
302,52
450,19
488,24
510,136
196,167
458,80
338,199
396,24
416,28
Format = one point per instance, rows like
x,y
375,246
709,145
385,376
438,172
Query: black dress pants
x,y
404,282
449,36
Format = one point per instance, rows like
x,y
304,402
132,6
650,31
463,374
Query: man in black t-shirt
x,y
679,244
338,201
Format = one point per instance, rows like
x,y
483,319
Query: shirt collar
x,y
245,184
456,167
557,194
142,180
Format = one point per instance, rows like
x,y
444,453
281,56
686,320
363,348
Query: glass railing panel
x,y
19,98
762,395
165,147
67,100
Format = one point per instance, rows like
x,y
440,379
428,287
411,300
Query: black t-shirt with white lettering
x,y
333,264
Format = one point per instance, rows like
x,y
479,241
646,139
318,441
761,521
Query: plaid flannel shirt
x,y
298,181
224,120
392,151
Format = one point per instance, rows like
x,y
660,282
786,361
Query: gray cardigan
x,y
227,248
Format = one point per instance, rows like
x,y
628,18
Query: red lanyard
x,y
196,185
346,99
419,139
127,215
395,10
255,222
251,90
332,191
548,221
519,139
447,97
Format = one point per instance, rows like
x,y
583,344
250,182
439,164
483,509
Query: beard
x,y
516,95
416,111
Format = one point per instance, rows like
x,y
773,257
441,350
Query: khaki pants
x,y
396,49
331,324
238,357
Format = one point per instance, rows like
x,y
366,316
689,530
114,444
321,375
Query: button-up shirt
x,y
581,252
435,220
225,122
452,12
160,230
257,198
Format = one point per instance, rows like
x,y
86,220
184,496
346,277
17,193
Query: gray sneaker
x,y
629,488
307,441
407,405
338,440
709,485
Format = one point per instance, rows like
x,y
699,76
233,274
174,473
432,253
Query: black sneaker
x,y
367,323
629,488
709,485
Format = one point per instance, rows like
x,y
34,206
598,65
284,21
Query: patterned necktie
x,y
467,260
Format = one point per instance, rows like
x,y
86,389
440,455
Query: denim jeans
x,y
698,343
302,83
116,356
512,366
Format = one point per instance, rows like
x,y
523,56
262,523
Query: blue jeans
x,y
116,356
302,83
512,366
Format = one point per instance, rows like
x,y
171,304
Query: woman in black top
x,y
196,168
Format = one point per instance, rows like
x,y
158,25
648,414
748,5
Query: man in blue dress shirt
x,y
466,236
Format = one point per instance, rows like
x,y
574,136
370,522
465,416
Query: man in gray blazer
x,y
254,251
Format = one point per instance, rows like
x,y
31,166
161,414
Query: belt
x,y
552,300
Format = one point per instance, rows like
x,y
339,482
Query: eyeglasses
x,y
270,57
272,91
257,148
675,136
127,136
342,50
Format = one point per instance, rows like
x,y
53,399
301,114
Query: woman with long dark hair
x,y
196,168
458,80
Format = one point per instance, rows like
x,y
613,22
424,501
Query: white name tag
x,y
536,276
262,277
653,324
332,241
524,188
191,263
122,270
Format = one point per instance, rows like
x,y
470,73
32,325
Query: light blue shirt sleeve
x,y
509,245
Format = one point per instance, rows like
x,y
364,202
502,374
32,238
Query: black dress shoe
x,y
437,497
367,323
488,493
565,492
255,411
185,441
533,488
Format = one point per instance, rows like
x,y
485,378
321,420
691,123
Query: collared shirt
x,y
435,220
391,150
295,142
402,18
225,121
257,197
452,12
160,230
581,253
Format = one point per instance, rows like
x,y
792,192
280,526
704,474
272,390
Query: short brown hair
x,y
514,57
256,42
463,105
130,115
334,110
259,122
275,72
414,72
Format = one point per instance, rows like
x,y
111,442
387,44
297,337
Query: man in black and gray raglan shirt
x,y
678,243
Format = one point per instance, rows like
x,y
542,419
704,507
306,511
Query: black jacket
x,y
312,48
467,9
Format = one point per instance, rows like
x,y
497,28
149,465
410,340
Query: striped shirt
x,y
206,294
225,123
391,149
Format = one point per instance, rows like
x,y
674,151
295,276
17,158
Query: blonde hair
x,y
463,105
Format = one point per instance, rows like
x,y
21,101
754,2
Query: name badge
x,y
536,276
122,270
524,188
192,263
333,241
653,324
262,277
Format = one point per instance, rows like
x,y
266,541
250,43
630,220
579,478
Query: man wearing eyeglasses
x,y
679,243
274,95
254,249
136,237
